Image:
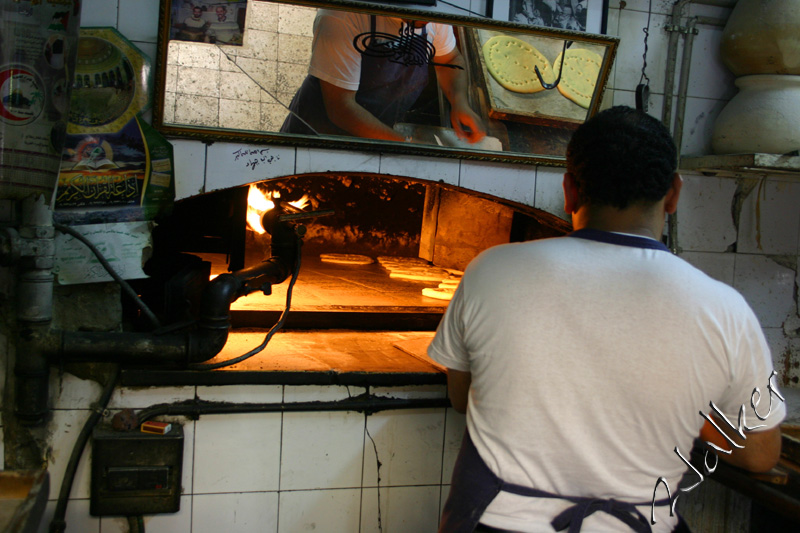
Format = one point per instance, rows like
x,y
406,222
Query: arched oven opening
x,y
354,309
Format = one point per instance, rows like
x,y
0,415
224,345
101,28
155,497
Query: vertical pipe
x,y
672,56
34,311
683,83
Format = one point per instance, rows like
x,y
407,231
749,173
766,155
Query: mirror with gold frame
x,y
353,75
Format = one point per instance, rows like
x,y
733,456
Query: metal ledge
x,y
743,165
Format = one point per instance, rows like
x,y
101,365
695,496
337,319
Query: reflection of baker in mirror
x,y
367,71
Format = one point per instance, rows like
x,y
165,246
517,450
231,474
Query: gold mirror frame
x,y
532,136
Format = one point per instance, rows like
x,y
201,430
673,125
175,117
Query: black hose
x,y
365,403
58,524
126,288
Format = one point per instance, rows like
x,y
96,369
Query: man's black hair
x,y
622,156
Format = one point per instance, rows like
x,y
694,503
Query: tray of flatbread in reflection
x,y
521,98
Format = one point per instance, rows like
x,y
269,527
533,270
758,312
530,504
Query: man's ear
x,y
674,192
570,193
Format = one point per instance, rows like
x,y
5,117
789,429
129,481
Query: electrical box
x,y
136,473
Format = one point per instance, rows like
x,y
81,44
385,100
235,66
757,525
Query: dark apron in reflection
x,y
386,89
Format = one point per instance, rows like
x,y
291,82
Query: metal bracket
x,y
680,29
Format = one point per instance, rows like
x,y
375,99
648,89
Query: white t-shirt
x,y
335,60
590,363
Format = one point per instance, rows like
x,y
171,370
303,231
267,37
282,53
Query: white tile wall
x,y
409,448
767,225
336,511
426,168
395,504
515,182
322,450
237,453
238,512
235,465
768,287
705,219
550,192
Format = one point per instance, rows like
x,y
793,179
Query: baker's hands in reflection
x,y
467,124
452,77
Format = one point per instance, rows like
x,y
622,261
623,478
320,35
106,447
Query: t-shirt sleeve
x,y
443,39
448,347
333,57
753,382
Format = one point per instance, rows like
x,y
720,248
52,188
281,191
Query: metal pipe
x,y
672,52
34,310
683,84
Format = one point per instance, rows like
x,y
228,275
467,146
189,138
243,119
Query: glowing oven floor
x,y
332,351
323,286
342,288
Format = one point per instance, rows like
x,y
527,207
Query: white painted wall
x,y
295,472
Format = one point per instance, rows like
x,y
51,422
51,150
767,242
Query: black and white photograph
x,y
564,14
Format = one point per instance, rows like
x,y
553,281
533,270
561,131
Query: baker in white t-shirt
x,y
367,71
584,361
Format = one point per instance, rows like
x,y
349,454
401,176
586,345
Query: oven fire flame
x,y
259,202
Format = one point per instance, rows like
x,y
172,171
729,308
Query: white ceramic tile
x,y
77,517
512,182
322,160
235,513
241,393
322,450
767,286
409,447
770,218
190,167
400,509
64,426
71,392
705,222
99,13
424,168
658,6
719,266
455,425
319,393
334,511
411,391
233,164
226,457
708,76
699,117
550,192
180,522
140,397
631,49
138,19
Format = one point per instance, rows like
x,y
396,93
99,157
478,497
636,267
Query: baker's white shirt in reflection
x,y
335,60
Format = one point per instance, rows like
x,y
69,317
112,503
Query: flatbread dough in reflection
x,y
581,70
511,62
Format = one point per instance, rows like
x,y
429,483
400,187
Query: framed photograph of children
x,y
576,15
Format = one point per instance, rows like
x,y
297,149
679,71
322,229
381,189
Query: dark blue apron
x,y
386,89
474,486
